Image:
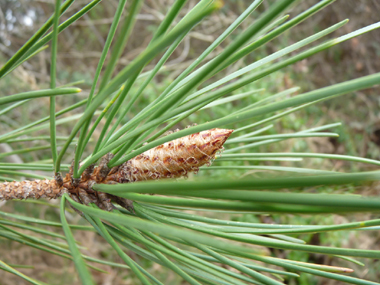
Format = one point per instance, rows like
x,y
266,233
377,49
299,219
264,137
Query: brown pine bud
x,y
175,158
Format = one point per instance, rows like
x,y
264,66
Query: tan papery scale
x,y
173,159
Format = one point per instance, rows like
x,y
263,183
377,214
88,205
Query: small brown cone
x,y
175,158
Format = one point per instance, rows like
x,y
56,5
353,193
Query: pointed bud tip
x,y
222,133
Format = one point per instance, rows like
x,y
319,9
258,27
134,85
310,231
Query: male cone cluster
x,y
173,159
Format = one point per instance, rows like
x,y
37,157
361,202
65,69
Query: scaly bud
x,y
175,158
